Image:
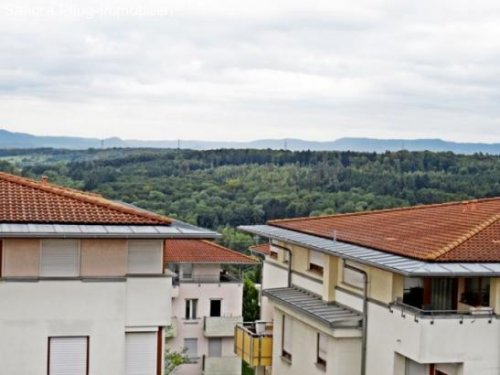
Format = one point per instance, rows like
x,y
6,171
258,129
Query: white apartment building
x,y
83,290
412,291
206,305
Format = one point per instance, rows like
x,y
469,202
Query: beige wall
x,y
495,294
103,257
21,257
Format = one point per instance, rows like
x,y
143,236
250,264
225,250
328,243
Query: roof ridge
x,y
228,249
385,210
474,231
85,197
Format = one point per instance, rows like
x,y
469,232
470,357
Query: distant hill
x,y
23,140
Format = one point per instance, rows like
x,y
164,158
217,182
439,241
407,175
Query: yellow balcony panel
x,y
253,343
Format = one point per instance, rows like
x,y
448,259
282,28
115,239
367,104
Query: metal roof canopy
x,y
330,314
376,258
177,229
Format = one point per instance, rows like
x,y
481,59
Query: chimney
x,y
44,180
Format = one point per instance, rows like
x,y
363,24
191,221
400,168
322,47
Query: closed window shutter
x,y
141,353
68,356
352,277
191,346
145,257
60,258
287,334
322,346
316,258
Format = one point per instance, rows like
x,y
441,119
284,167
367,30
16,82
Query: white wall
x,y
30,312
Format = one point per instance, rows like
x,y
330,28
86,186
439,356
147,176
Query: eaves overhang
x,y
176,230
391,262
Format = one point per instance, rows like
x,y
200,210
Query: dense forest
x,y
225,188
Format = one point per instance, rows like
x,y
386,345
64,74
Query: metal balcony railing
x,y
417,313
202,279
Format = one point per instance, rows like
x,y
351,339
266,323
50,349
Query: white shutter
x,y
68,356
214,347
60,258
322,346
317,258
287,334
191,346
141,353
352,277
145,256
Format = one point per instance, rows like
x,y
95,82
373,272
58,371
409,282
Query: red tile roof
x,y
27,201
202,251
264,248
458,231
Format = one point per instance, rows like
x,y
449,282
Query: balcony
x,y
206,279
253,343
221,365
436,336
220,326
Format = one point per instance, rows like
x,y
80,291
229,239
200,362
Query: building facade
x,y
206,305
412,291
83,288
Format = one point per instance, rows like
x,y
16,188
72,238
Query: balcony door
x,y
444,294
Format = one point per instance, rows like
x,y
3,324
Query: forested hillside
x,y
227,188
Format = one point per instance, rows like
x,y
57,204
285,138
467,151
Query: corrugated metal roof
x,y
177,229
392,262
330,314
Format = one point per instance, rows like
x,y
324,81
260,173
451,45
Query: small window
x,y
286,256
141,349
322,351
60,258
68,355
191,309
316,262
191,346
145,257
186,271
286,351
352,277
273,254
476,291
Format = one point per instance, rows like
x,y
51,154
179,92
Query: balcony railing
x,y
220,326
417,313
253,343
201,279
221,365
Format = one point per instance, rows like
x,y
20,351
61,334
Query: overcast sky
x,y
241,70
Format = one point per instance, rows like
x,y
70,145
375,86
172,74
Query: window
x,y
353,277
273,254
186,271
286,256
68,355
145,257
322,350
141,353
191,346
476,291
191,309
316,262
215,307
60,258
215,347
286,344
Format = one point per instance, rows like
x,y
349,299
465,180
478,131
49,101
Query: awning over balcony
x,y
330,314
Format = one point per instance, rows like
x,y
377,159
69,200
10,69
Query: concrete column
x,y
330,277
495,294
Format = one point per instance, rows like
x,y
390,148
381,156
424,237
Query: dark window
x,y
191,309
274,255
215,307
476,291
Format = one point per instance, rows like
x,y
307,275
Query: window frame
x,y
314,266
78,258
321,362
191,309
191,359
50,338
347,263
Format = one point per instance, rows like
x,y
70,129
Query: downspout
x,y
364,339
